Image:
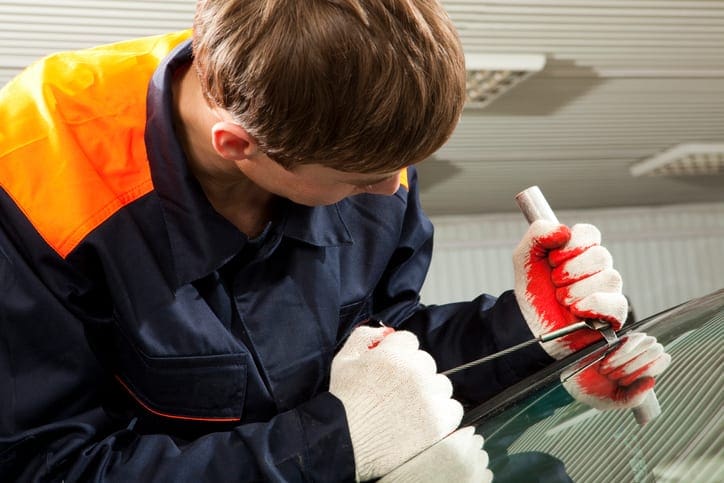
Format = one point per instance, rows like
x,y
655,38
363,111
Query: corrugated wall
x,y
666,255
30,29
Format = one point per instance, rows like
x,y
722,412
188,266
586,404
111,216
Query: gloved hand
x,y
396,403
563,276
623,378
459,458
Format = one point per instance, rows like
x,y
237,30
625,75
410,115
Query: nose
x,y
387,186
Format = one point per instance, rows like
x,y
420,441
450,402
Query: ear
x,y
232,141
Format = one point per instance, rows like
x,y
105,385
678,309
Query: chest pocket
x,y
180,361
210,388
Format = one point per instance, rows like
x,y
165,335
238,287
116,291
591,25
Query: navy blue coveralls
x,y
160,343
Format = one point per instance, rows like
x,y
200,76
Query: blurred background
x,y
614,108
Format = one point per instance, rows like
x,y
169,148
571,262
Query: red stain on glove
x,y
623,377
562,276
385,333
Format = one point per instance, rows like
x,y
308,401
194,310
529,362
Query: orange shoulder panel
x,y
403,179
72,150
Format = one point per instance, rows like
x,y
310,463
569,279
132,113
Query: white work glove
x,y
563,276
458,458
396,403
623,378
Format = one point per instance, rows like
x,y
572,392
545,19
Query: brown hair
x,y
356,85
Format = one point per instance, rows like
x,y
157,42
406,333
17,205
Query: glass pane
x,y
547,436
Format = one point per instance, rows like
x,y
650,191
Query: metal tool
x,y
548,336
535,207
605,330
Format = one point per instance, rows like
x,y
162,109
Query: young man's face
x,y
317,185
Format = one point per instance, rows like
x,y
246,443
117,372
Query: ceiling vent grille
x,y
489,76
684,160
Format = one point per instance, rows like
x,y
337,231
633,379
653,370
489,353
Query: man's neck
x,y
232,194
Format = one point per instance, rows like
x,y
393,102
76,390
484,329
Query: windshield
x,y
541,434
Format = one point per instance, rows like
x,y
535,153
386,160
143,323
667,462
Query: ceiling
x,y
624,80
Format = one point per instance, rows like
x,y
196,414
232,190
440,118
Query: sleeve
x,y
454,333
58,424
299,445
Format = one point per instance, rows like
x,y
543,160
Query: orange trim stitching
x,y
171,416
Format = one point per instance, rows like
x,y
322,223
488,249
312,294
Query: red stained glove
x,y
563,276
623,378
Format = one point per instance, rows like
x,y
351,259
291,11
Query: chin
x,y
314,202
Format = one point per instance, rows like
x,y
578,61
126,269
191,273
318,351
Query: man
x,y
194,252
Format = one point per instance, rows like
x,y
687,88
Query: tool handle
x,y
535,207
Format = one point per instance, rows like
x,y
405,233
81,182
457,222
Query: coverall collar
x,y
201,239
